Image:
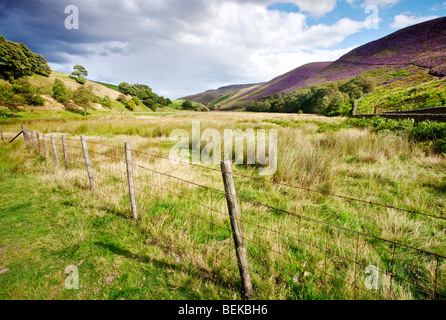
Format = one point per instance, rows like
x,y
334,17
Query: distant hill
x,y
418,49
211,95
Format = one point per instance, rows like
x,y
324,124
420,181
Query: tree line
x,y
333,99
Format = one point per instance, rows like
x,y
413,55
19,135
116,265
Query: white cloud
x,y
381,3
319,9
404,20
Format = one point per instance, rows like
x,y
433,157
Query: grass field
x,y
179,249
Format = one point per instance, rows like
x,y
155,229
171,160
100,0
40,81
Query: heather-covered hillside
x,y
422,45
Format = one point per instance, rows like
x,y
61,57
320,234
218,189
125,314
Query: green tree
x,y
187,105
17,61
84,97
131,104
79,71
60,92
9,98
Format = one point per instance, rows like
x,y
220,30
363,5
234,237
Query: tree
x,y
8,98
17,61
83,97
60,92
79,71
187,105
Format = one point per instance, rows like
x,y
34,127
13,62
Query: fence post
x,y
131,181
38,141
87,162
234,216
25,133
32,138
1,133
65,153
56,158
46,147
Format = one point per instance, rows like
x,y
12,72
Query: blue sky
x,y
182,47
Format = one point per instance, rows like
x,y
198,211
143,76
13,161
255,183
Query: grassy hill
x,y
213,97
53,109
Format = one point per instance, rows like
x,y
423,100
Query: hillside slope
x,y
422,45
209,96
290,81
418,49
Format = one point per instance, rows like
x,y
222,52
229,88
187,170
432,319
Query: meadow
x,y
306,234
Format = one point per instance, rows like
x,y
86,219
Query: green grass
x,y
173,252
219,100
42,235
111,86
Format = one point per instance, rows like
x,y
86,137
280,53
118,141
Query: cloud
x,y
177,47
381,3
404,20
319,9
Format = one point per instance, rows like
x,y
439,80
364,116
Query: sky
x,y
183,47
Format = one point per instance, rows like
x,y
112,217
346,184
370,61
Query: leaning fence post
x,y
1,133
46,147
87,162
38,141
131,181
56,158
65,152
234,216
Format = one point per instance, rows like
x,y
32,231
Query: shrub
x,y
131,105
60,92
36,101
123,99
81,80
106,102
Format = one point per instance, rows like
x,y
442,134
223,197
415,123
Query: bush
x,y
106,102
123,99
131,105
60,92
36,101
81,80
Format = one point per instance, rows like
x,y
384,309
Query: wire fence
x,y
290,255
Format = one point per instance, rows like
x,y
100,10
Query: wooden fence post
x,y
1,133
130,178
234,216
87,162
38,141
32,138
56,158
46,147
65,153
25,133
